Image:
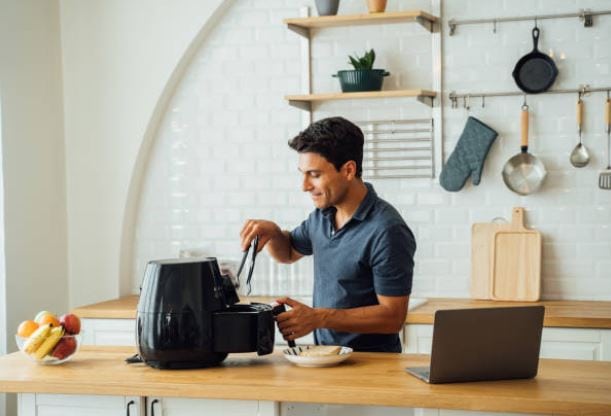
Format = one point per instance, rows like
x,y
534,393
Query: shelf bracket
x,y
426,100
302,31
425,23
302,105
452,25
586,17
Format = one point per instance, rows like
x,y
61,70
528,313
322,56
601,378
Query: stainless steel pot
x,y
524,173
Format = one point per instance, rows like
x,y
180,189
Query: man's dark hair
x,y
335,138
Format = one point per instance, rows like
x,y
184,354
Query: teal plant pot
x,y
355,80
327,7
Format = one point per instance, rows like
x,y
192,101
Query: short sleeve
x,y
392,261
300,238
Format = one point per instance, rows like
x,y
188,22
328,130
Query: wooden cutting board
x,y
481,246
515,262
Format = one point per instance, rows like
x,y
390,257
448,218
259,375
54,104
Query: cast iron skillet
x,y
535,72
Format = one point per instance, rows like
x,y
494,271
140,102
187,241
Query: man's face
x,y
326,185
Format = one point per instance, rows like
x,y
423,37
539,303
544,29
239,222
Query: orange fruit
x,y
26,328
48,318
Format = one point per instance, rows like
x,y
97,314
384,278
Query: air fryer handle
x,y
277,310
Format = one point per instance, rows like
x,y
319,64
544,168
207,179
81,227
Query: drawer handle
x,y
153,403
131,402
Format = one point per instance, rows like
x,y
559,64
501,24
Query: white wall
x,y
220,155
117,57
3,336
117,63
33,160
34,221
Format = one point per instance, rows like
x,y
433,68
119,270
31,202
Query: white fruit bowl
x,y
49,359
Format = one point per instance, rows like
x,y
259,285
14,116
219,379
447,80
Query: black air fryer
x,y
188,316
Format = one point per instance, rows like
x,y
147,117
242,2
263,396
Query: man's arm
x,y
277,241
387,317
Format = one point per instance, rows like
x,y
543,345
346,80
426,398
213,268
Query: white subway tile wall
x,y
221,156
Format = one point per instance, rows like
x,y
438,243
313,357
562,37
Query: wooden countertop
x,y
562,386
558,313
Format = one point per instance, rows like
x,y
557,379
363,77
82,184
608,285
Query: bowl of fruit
x,y
49,340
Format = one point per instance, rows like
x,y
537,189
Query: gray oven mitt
x,y
468,157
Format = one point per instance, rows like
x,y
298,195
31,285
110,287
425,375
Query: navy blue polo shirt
x,y
372,254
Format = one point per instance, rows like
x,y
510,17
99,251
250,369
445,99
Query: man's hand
x,y
387,317
299,321
279,246
266,230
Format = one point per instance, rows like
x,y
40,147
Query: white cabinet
x,y
172,406
318,409
87,405
78,405
576,344
315,409
109,331
565,343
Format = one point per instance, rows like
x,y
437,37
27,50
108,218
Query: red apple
x,y
64,348
71,323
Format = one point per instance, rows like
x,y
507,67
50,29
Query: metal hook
x,y
584,90
453,99
586,17
483,101
536,22
607,95
494,26
467,102
524,104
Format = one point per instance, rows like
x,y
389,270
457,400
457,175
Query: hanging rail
x,y
584,90
585,15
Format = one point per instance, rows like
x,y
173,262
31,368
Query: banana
x,y
49,343
37,338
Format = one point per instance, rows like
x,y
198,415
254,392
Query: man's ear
x,y
349,169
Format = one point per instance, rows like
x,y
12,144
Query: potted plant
x,y
363,77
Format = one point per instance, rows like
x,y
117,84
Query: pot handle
x,y
608,115
334,75
579,114
385,74
524,129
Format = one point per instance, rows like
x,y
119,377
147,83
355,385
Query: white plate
x,y
292,354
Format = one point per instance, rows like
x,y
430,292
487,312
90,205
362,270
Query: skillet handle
x,y
536,33
579,114
524,129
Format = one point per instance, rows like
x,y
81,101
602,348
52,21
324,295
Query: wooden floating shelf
x,y
305,101
302,25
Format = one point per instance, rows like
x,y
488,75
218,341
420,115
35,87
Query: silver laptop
x,y
484,344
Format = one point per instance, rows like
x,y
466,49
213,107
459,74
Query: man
x,y
363,250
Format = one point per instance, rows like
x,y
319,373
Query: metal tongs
x,y
253,245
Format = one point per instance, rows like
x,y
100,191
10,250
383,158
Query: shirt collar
x,y
366,204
